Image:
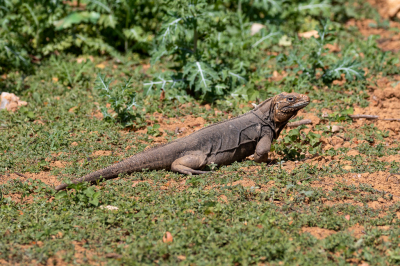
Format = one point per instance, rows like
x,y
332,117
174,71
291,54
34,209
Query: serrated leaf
x,y
76,18
108,21
351,69
200,76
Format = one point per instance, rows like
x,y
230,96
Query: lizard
x,y
221,143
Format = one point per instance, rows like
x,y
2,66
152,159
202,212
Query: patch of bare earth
x,y
385,103
387,8
101,153
82,255
319,233
182,126
16,197
389,40
45,177
58,164
380,181
356,231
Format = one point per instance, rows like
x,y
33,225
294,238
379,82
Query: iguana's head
x,y
286,105
282,107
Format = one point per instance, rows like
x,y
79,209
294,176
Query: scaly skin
x,y
222,143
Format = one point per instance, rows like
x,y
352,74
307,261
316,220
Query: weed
x,y
295,144
122,100
82,194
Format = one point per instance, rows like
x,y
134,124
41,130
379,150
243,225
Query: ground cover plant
x,y
329,196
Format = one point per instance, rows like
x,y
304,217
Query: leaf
x,y
61,195
170,30
77,18
167,238
94,201
314,138
108,20
201,76
348,111
89,192
307,193
264,38
314,6
351,69
285,41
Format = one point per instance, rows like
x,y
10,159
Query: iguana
x,y
221,143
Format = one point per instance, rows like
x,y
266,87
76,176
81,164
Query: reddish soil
x,y
356,231
387,8
82,255
45,177
181,126
389,40
319,233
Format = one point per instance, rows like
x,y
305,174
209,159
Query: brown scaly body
x,y
222,143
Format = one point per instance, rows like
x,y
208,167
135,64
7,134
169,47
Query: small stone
x,y
167,238
336,128
109,207
309,34
256,27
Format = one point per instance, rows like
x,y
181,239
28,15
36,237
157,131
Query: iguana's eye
x,y
290,99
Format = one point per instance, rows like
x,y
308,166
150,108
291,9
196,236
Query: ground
x,y
337,206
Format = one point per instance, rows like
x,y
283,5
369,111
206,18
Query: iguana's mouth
x,y
295,107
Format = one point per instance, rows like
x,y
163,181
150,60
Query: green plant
x,y
33,29
211,48
118,98
81,194
294,144
154,130
313,60
341,115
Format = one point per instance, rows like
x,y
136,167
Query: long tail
x,y
153,160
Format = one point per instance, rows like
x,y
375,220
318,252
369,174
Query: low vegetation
x,y
107,79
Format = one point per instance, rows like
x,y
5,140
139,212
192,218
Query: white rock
x,y
109,207
10,101
256,27
309,34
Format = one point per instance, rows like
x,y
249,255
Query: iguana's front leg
x,y
262,149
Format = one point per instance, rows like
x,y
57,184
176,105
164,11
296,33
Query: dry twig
x,y
299,123
364,116
373,117
21,175
391,119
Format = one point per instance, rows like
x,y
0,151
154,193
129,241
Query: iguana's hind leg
x,y
189,164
